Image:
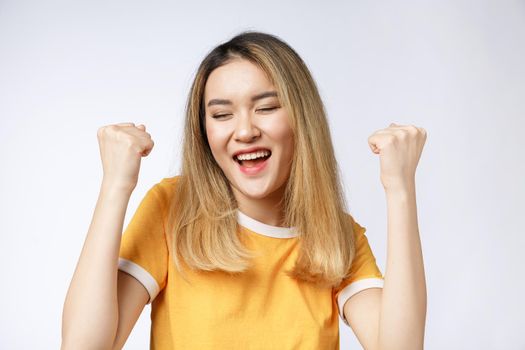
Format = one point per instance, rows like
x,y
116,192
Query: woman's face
x,y
248,131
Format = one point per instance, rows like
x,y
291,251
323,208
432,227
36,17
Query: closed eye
x,y
220,115
267,109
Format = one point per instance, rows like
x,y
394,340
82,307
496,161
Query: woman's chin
x,y
254,194
254,191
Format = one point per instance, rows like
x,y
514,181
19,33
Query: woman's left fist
x,y
399,148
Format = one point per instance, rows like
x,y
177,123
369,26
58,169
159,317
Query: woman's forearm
x,y
404,298
90,315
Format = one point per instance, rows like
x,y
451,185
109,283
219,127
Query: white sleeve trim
x,y
141,275
354,288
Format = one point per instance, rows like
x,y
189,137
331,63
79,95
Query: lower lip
x,y
255,169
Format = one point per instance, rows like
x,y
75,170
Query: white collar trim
x,y
264,229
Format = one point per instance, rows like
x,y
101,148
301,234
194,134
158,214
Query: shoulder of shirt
x,y
165,188
358,229
168,181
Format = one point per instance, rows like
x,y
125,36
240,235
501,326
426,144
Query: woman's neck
x,y
267,210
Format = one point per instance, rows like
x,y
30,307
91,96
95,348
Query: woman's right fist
x,y
121,148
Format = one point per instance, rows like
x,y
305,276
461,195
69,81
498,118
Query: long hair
x,y
203,223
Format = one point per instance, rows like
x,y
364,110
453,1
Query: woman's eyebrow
x,y
219,101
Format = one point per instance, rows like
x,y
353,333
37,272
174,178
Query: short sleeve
x,y
143,248
365,273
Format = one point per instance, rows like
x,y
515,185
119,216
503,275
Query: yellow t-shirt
x,y
260,309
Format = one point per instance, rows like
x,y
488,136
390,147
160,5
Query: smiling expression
x,y
245,120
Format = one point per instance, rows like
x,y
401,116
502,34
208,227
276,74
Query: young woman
x,y
250,247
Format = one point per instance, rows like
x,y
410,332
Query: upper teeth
x,y
254,155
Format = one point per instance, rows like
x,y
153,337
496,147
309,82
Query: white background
x,y
455,68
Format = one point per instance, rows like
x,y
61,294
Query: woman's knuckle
x,y
403,134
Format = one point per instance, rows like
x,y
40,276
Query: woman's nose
x,y
245,129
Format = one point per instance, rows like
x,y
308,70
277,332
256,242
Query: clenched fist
x,y
121,148
399,148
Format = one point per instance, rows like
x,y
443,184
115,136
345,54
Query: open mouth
x,y
253,159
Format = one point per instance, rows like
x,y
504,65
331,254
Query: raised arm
x,y
404,297
90,317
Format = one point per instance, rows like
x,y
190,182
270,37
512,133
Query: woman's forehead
x,y
238,81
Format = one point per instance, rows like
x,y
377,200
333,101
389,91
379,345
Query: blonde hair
x,y
203,222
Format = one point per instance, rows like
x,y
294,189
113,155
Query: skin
x,y
119,298
244,124
403,302
393,317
